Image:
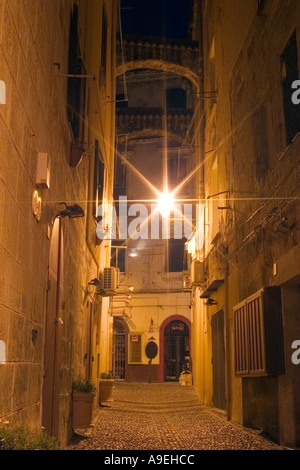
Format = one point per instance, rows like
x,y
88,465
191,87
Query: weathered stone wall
x,y
258,177
34,36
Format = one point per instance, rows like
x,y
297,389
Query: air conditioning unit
x,y
109,280
197,273
186,281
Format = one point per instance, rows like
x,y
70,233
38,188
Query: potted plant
x,y
83,396
106,384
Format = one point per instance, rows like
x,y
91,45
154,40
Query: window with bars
x,y
258,334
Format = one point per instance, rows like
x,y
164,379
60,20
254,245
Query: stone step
x,y
155,410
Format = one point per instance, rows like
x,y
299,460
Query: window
x,y
175,262
178,167
121,101
118,256
260,6
76,86
290,73
135,348
260,140
176,98
102,76
99,172
119,177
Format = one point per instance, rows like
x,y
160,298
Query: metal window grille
x,y
249,337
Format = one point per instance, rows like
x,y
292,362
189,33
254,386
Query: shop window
x,y
135,348
76,86
290,73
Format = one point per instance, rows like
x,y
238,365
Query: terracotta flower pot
x,y
105,390
82,409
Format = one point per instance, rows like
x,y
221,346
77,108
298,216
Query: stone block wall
x,y
33,37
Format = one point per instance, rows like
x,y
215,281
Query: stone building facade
x,y
56,133
245,313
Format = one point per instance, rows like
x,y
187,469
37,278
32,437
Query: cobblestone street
x,y
163,417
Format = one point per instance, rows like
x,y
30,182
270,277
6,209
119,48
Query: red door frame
x,y
162,342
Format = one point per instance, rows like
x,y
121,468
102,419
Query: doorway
x,y
176,350
53,332
218,360
119,349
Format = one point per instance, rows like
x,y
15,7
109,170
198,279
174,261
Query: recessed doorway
x,y
176,350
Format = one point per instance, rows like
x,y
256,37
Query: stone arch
x,y
161,65
155,133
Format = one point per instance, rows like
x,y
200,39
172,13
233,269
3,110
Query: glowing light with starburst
x,y
166,203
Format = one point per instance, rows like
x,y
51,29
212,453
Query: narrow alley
x,y
149,224
145,416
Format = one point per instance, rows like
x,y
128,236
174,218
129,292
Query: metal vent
x,y
109,280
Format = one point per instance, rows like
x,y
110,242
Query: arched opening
x,y
175,348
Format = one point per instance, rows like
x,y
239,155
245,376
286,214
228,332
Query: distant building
x,y
155,151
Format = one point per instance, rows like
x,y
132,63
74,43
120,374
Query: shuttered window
x,y
258,334
249,339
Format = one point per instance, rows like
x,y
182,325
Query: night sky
x,y
164,18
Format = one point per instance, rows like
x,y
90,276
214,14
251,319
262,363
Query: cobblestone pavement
x,y
163,417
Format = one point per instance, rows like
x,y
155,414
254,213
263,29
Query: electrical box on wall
x,y
43,171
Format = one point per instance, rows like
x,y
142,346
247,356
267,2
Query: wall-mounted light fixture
x,y
210,302
73,212
94,282
37,206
